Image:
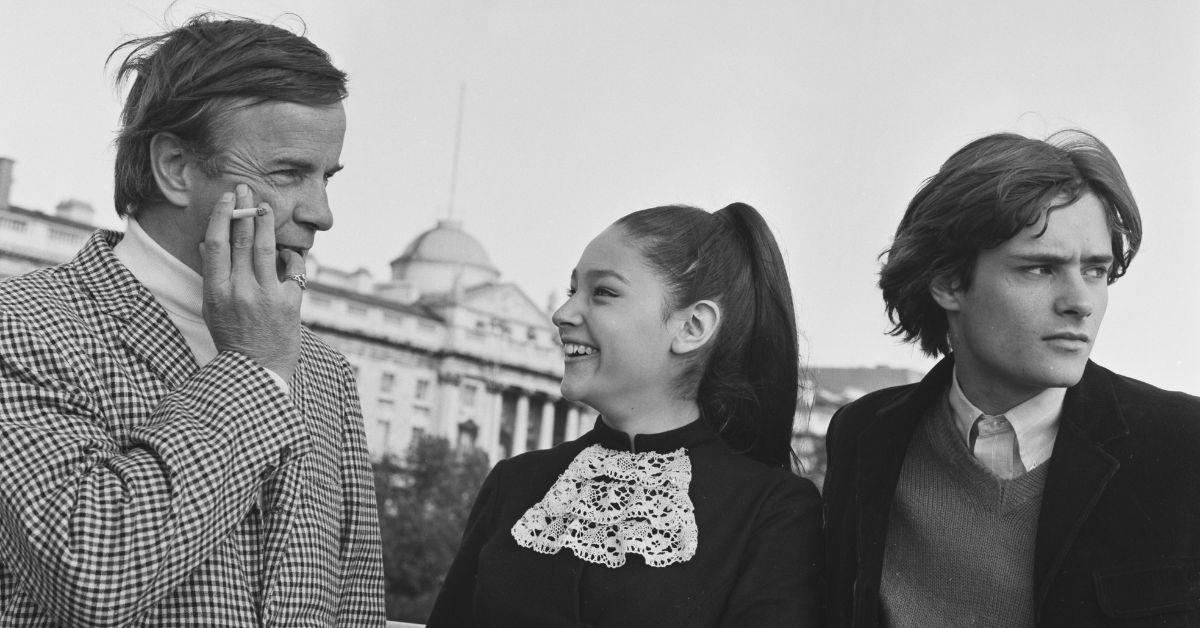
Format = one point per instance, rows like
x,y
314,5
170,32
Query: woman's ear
x,y
699,325
169,161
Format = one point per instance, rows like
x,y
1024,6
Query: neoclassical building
x,y
443,347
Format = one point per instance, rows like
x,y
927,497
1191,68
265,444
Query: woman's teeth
x,y
572,349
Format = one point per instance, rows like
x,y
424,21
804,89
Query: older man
x,y
1019,483
177,449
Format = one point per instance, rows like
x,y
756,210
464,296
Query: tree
x,y
424,502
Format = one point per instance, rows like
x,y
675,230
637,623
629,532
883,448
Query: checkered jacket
x,y
129,477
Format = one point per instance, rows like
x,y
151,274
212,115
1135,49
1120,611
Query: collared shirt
x,y
1035,421
176,287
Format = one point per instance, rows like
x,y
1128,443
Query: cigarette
x,y
249,212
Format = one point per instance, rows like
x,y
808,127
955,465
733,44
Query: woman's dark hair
x,y
188,78
745,378
985,194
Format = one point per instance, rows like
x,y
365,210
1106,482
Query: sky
x,y
825,116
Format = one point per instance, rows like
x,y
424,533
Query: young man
x,y
176,449
1019,483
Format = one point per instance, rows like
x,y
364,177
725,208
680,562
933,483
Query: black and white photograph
x,y
617,314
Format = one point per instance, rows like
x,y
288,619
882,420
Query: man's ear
x,y
169,161
699,325
947,292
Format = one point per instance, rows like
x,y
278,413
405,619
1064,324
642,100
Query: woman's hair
x,y
745,378
985,194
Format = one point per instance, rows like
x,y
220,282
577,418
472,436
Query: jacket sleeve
x,y
362,554
839,528
107,503
455,602
780,579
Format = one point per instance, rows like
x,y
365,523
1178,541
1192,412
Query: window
x,y
469,395
422,392
395,317
356,310
387,382
468,435
383,427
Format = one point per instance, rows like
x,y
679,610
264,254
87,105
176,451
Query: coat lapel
x,y
1080,469
882,446
138,321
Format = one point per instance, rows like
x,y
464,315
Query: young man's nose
x,y
1077,297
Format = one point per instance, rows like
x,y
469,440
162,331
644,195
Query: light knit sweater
x,y
960,541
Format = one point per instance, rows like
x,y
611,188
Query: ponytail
x,y
745,380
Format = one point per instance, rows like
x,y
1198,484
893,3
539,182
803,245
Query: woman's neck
x,y
651,419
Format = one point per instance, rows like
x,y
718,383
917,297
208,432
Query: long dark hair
x,y
745,379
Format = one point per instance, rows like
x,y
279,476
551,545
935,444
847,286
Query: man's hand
x,y
247,308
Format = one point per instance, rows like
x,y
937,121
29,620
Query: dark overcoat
x,y
1118,537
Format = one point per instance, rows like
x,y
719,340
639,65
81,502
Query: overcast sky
x,y
825,116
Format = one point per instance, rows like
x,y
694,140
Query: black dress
x,y
758,561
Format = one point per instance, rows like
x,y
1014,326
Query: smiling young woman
x,y
679,508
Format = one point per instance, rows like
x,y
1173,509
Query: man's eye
x,y
1039,270
284,176
1097,272
570,292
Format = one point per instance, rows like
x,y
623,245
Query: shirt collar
x,y
178,288
1034,420
686,436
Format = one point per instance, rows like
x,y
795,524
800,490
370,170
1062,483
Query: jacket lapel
x,y
1080,468
882,446
138,321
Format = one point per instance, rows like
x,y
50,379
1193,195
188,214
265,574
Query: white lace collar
x,y
610,503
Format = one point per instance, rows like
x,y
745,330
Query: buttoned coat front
x,y
1118,536
130,477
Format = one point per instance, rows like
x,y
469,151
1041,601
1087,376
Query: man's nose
x,y
1077,297
313,211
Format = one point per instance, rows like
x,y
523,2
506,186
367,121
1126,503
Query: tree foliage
x,y
424,501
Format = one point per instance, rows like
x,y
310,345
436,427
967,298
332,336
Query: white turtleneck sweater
x,y
176,287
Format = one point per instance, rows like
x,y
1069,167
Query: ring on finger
x,y
300,279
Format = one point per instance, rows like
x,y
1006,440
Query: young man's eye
x,y
570,292
1039,270
1096,272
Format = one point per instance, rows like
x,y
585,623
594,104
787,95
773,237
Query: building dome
x,y
442,259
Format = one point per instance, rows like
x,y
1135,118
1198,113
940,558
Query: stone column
x,y
521,424
445,417
490,424
572,423
546,434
